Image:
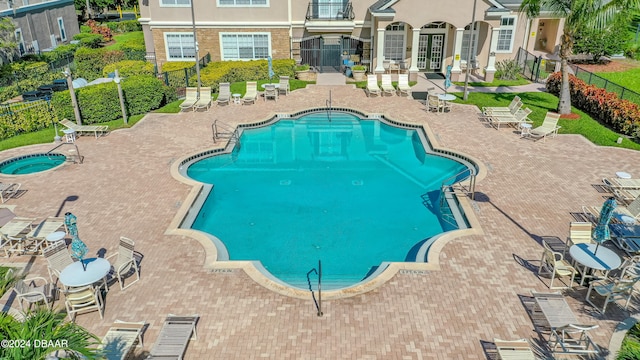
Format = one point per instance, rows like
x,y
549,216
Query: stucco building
x,y
419,36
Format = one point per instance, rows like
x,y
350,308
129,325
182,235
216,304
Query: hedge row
x,y
128,68
123,26
21,118
622,115
26,76
100,103
235,71
90,62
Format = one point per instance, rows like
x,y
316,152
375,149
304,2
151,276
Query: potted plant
x,y
304,73
358,72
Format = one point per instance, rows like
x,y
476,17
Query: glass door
x,y
430,52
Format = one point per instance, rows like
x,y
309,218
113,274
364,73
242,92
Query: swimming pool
x,y
32,163
352,192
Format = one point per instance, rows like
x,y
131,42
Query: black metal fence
x,y
535,68
593,79
182,78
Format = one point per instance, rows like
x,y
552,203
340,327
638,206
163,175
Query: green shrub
x,y
100,103
8,92
60,52
124,26
85,29
238,71
304,67
630,349
622,116
129,68
507,70
90,62
89,40
31,75
23,118
177,65
142,94
357,67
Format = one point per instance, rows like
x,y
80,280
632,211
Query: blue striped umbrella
x,y
601,232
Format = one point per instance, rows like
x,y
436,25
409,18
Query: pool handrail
x,y
80,158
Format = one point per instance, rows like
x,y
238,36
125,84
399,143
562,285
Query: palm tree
x,y
47,331
577,14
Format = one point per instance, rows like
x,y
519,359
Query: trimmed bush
x,y
89,40
622,115
90,62
177,65
129,68
100,103
124,26
21,118
236,71
60,52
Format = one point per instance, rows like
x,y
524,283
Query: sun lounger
x,y
521,116
513,107
626,196
626,237
372,85
205,99
96,130
174,337
618,183
191,97
252,93
121,338
403,85
224,95
549,127
8,190
387,86
514,349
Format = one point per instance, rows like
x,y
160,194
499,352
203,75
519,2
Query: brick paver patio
x,y
124,188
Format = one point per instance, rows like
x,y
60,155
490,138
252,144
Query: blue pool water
x,y
32,163
352,193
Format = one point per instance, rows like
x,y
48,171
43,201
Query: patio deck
x,y
124,188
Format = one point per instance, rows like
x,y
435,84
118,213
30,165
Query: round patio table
x,y
75,275
601,259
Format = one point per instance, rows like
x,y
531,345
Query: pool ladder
x,y
328,103
232,135
317,302
77,159
447,191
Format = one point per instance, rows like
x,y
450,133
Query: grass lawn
x,y
540,103
496,83
629,79
46,135
134,36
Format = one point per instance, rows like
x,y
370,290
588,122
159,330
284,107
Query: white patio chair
x,y
387,86
284,85
514,349
553,263
34,290
372,85
403,85
125,262
270,92
83,299
58,258
612,290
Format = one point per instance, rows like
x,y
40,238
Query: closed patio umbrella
x,y
78,248
447,78
271,73
601,232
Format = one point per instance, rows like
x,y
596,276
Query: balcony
x,y
330,16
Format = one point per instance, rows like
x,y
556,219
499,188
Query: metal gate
x,y
325,53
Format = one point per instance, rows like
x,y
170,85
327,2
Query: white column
x,y
380,51
414,50
491,63
457,49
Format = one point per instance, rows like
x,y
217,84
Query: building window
x,y
180,46
394,42
20,41
505,34
175,3
245,46
63,32
243,3
465,43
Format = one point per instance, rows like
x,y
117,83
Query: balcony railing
x,y
329,10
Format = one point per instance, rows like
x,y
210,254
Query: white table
x,y
69,135
277,86
446,97
55,236
236,98
603,259
75,276
623,175
525,129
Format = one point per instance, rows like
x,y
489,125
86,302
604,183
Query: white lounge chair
x,y
8,190
521,116
96,130
387,86
514,349
372,85
121,338
284,85
190,99
224,94
205,99
251,94
403,85
174,337
514,106
549,127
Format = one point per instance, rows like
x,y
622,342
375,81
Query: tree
x,y
578,15
603,42
8,43
51,331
